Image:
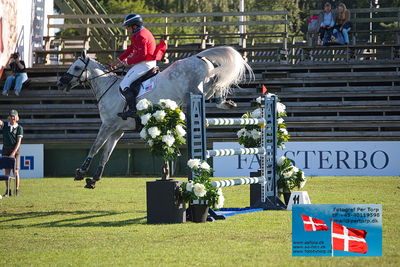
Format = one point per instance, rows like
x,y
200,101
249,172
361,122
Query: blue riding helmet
x,y
133,19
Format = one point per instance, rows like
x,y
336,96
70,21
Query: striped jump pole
x,y
236,121
235,151
265,181
241,181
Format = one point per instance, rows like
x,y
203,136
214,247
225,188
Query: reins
x,y
88,80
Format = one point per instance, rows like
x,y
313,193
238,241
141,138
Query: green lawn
x,y
57,222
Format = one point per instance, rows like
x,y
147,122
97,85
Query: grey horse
x,y
212,72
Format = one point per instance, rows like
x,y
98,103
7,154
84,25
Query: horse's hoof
x,y
231,103
79,175
227,104
90,184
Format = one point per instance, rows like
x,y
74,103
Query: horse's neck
x,y
100,81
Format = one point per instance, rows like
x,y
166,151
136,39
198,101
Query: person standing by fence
x,y
12,138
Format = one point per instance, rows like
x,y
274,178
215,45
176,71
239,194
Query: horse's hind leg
x,y
107,151
102,136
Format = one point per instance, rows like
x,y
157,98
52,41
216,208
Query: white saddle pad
x,y
147,86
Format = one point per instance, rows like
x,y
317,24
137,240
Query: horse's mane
x,y
101,67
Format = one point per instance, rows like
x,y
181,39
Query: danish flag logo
x,y
27,163
349,239
313,224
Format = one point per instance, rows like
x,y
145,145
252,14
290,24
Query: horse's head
x,y
75,75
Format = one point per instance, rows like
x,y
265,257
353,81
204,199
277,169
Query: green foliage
x,y
125,7
200,188
289,176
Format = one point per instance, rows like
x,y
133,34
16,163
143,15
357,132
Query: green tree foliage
x,y
298,13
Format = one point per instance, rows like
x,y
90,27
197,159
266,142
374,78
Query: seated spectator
x,y
18,76
343,23
326,21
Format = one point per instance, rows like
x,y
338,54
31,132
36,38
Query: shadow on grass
x,y
80,219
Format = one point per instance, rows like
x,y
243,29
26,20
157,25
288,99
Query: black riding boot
x,y
130,94
131,112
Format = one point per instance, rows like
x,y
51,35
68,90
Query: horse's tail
x,y
231,68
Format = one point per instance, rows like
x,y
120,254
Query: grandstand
x,y
331,93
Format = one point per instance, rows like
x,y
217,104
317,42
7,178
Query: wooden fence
x,y
203,30
203,27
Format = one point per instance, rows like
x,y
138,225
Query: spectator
x,y
12,137
326,21
19,75
343,23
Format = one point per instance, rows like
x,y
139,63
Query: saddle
x,y
134,88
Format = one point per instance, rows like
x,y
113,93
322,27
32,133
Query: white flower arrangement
x,y
145,118
289,176
250,135
159,115
280,108
154,132
200,188
168,104
204,165
281,160
168,139
143,133
180,131
257,113
143,104
193,163
164,127
182,116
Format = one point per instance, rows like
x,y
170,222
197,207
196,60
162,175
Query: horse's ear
x,y
83,53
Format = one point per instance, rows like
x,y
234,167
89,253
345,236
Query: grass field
x,y
55,222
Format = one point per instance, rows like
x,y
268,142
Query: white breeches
x,y
136,71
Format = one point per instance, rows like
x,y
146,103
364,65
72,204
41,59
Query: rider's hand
x,y
114,65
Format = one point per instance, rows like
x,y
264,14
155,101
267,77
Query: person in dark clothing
x,y
18,76
12,138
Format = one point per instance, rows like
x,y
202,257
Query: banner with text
x,y
320,159
31,161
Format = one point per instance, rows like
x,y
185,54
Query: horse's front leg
x,y
107,151
102,136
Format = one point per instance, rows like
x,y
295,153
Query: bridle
x,y
67,77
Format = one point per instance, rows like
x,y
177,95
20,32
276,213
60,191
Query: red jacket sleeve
x,y
141,52
128,51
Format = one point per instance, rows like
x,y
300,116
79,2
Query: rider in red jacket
x,y
141,55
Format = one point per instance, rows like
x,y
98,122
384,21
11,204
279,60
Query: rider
x,y
141,55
